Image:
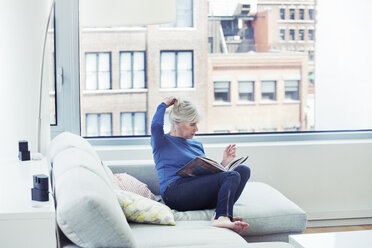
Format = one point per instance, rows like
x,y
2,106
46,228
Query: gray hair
x,y
182,111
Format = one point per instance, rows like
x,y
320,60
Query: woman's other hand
x,y
169,101
229,154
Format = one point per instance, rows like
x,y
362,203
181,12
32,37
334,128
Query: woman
x,y
173,150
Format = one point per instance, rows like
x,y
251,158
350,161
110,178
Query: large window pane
x,y
132,70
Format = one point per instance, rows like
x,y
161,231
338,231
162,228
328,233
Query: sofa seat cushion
x,y
185,234
263,207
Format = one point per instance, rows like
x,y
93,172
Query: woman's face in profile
x,y
187,129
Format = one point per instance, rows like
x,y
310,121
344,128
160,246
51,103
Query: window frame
x,y
98,71
228,91
132,114
98,123
176,68
68,96
132,69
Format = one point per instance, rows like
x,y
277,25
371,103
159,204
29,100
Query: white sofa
x,y
88,213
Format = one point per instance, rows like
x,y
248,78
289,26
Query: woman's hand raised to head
x,y
169,101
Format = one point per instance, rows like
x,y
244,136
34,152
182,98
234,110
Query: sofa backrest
x,y
87,210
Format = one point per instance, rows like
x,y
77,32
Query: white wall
x,y
22,24
343,81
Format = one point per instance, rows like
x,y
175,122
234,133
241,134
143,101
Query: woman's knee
x,y
233,175
244,171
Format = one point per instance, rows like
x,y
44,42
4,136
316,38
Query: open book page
x,y
199,166
203,166
236,163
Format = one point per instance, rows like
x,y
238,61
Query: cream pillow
x,y
143,210
129,183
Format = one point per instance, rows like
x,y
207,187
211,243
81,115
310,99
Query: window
x,y
282,14
292,89
133,123
301,14
176,69
184,14
222,91
268,89
292,14
210,44
282,34
311,55
132,70
246,91
311,14
98,125
311,34
301,34
102,51
97,71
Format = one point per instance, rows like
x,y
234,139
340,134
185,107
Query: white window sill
x,y
240,103
268,102
112,92
176,89
222,104
287,101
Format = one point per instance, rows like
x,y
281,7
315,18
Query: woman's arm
x,y
229,154
157,124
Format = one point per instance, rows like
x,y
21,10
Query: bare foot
x,y
237,219
225,222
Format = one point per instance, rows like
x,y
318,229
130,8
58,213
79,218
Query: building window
x,y
311,55
292,89
97,71
246,91
301,34
268,89
282,14
210,44
311,14
98,124
291,34
292,14
301,14
184,14
133,123
222,91
176,69
311,34
282,34
132,70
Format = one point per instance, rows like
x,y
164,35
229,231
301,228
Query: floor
x,y
337,229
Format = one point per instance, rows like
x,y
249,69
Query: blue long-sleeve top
x,y
170,153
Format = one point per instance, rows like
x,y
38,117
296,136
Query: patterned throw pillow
x,y
128,183
143,210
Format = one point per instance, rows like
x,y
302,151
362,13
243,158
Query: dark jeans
x,y
220,191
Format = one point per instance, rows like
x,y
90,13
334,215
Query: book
x,y
200,166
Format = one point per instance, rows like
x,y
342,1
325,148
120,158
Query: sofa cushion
x,y
88,212
268,211
129,183
185,234
263,207
143,210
